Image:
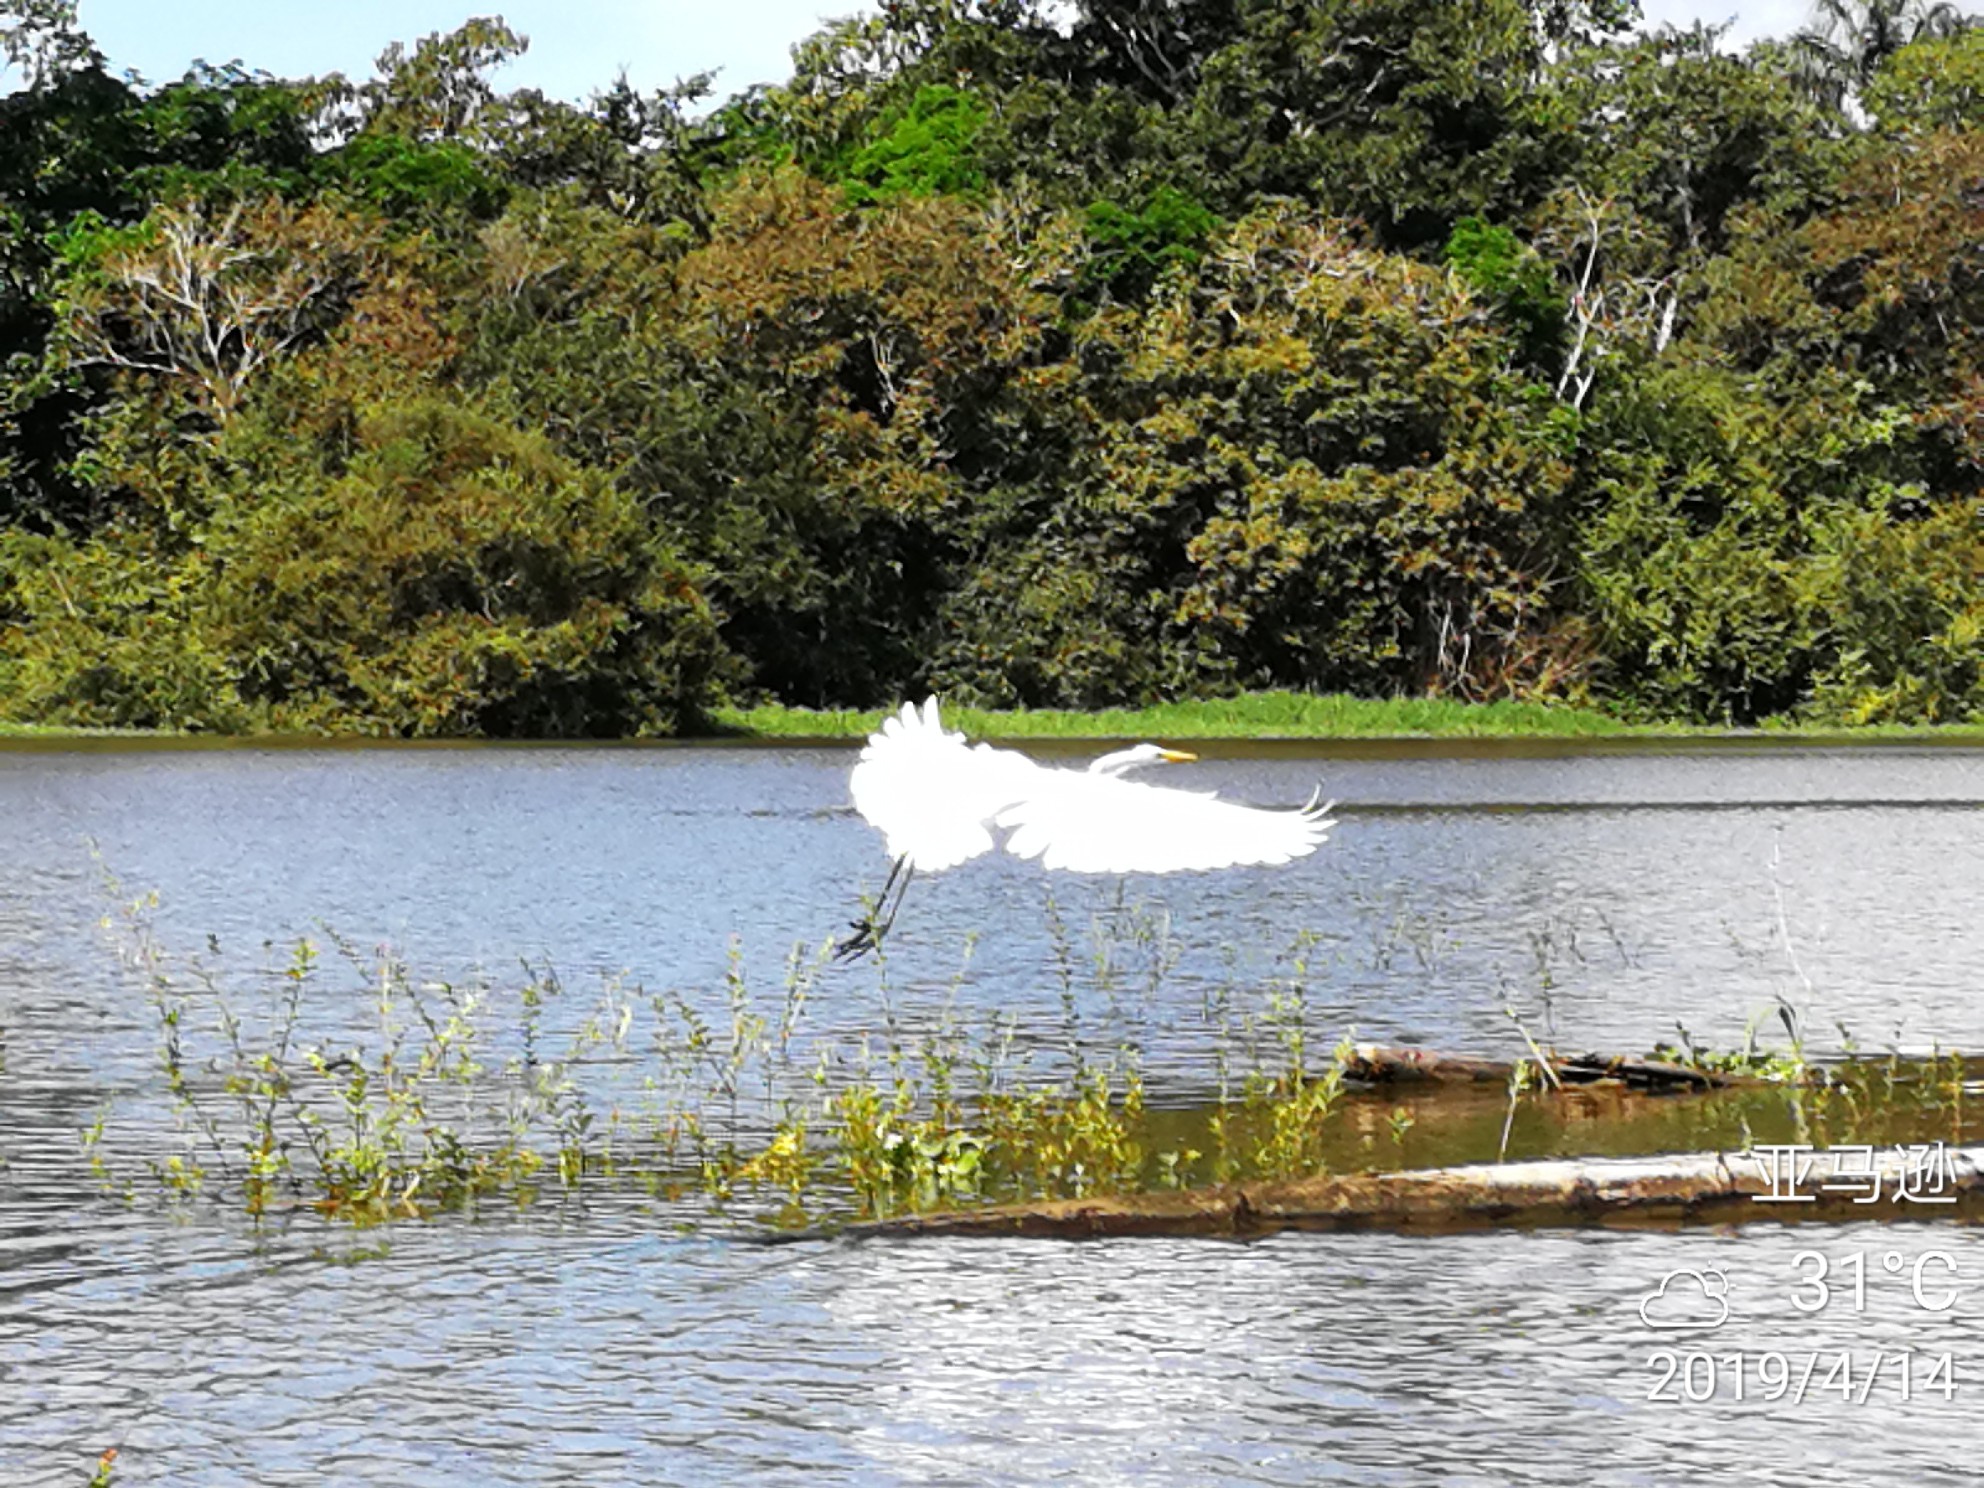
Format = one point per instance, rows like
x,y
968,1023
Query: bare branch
x,y
211,301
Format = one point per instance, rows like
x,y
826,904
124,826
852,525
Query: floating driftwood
x,y
1382,1064
1782,1183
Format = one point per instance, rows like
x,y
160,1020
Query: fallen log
x,y
1383,1064
1786,1184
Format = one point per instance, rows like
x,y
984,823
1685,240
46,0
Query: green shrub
x,y
1494,261
1130,250
927,150
456,578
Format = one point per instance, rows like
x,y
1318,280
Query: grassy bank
x,y
1252,716
64,731
1258,715
1292,715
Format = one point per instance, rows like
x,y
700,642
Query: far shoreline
x,y
1264,718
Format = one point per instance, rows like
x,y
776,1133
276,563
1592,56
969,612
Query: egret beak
x,y
1176,756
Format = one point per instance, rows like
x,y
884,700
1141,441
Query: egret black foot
x,y
867,937
870,928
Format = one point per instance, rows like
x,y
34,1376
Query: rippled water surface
x,y
1605,893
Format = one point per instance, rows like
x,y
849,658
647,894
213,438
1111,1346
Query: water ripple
x,y
556,1347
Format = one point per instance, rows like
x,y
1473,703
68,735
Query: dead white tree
x,y
1610,309
209,301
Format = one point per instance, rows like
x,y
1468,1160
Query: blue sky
x,y
576,45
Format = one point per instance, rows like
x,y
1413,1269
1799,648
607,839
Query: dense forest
x,y
1067,355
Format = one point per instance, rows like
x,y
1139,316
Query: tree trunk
x,y
1382,1064
1787,1184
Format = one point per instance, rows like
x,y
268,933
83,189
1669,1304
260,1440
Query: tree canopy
x,y
1048,355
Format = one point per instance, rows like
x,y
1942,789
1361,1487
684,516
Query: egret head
x,y
1136,757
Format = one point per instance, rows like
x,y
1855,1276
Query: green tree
x,y
1928,85
83,155
1129,251
205,297
441,90
1666,141
1498,264
1308,464
44,40
810,400
1404,115
458,577
455,577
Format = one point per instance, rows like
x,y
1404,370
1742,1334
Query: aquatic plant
x,y
281,1091
286,1092
423,1104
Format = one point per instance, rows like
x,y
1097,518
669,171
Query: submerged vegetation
x,y
445,1097
1048,357
284,1091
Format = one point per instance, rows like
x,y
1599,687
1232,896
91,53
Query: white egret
x,y
939,801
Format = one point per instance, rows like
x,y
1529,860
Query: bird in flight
x,y
939,800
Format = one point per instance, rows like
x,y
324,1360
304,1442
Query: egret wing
x,y
932,795
1098,824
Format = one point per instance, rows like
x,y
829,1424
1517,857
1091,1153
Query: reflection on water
x,y
600,1351
1609,892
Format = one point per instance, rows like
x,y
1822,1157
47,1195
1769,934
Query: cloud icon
x,y
1700,1299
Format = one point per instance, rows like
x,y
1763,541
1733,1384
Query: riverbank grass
x,y
1256,715
60,731
1293,715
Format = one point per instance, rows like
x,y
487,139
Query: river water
x,y
1604,894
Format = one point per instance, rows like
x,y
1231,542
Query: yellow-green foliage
x,y
1786,521
1937,83
458,577
1304,463
101,632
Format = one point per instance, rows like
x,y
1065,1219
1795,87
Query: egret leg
x,y
869,930
908,875
889,882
